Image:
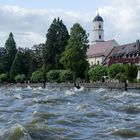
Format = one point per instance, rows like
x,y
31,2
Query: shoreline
x,y
88,86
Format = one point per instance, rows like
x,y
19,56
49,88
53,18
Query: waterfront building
x,y
125,54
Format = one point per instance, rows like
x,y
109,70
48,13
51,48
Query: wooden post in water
x,y
44,82
125,86
74,79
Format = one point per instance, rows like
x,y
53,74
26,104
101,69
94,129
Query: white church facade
x,y
99,49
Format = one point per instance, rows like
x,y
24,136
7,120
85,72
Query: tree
x,y
74,57
3,77
38,56
2,60
32,60
96,73
131,72
18,65
114,70
66,76
53,75
37,76
57,38
29,64
20,78
11,50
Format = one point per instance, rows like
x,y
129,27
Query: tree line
x,y
62,58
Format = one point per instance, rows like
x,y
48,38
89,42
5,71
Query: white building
x,y
99,49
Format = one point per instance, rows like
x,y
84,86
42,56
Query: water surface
x,y
54,114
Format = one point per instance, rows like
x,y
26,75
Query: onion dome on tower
x,y
98,31
98,18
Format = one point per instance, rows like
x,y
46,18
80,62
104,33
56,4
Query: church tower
x,y
98,30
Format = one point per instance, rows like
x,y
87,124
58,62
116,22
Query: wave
x,y
28,87
17,96
100,90
91,114
18,89
133,109
129,94
120,96
17,132
74,90
70,92
125,133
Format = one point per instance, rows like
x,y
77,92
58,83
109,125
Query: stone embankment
x,y
111,86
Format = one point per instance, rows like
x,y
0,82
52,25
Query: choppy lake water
x,y
43,114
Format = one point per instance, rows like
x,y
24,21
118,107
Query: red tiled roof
x,y
98,49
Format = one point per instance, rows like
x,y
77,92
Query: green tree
x,y
18,66
2,60
53,75
28,62
37,76
96,73
121,77
38,56
131,72
11,50
20,78
114,70
74,57
32,61
57,38
66,76
3,77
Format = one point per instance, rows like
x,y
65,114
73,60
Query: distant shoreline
x,y
88,86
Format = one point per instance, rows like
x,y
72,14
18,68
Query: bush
x,y
121,77
37,76
66,76
96,73
131,72
3,77
20,78
138,81
53,75
114,70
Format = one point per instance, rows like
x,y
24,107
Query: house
x,y
127,53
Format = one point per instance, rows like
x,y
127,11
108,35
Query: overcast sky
x,y
29,20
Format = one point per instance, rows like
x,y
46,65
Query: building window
x,y
99,36
98,62
99,26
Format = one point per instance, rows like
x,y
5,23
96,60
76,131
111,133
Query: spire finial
x,y
98,12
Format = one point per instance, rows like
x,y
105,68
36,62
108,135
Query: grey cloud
x,y
122,20
30,26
